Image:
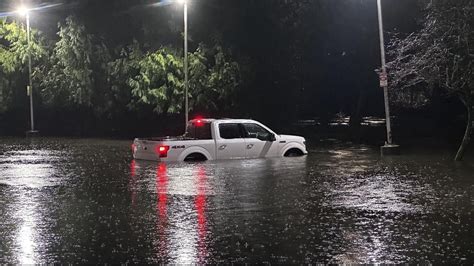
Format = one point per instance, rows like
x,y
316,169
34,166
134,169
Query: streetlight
x,y
24,12
389,147
186,81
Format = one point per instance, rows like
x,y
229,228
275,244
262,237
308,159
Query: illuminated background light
x,y
22,10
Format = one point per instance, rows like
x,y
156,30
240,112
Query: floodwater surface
x,y
88,201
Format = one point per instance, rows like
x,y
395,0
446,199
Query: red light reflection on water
x,y
133,181
161,208
161,190
200,205
197,233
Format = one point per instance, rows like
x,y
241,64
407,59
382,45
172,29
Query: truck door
x,y
256,144
230,142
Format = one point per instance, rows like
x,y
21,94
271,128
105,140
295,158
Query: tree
x,y
438,57
215,78
68,79
14,51
159,82
14,47
80,78
118,74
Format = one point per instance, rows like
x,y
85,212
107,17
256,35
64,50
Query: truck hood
x,y
289,138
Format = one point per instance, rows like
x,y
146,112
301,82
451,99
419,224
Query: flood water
x,y
87,201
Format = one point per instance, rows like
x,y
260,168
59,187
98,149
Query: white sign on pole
x,y
383,80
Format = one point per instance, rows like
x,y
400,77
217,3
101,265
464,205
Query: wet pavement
x,y
87,201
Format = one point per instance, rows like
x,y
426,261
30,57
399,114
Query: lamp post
x,y
186,78
389,147
23,11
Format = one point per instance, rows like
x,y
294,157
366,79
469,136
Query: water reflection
x,y
25,173
161,210
181,202
376,193
132,186
29,168
372,199
200,204
26,232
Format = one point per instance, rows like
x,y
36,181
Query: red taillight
x,y
162,151
133,147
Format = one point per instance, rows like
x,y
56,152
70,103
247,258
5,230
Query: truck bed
x,y
167,138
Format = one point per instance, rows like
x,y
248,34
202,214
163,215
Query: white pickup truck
x,y
212,139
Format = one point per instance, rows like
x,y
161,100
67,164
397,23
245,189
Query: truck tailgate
x,y
146,149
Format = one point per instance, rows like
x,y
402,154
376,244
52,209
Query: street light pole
x,y
384,73
23,11
30,82
389,147
186,81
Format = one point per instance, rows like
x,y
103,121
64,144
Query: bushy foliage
x,y
213,79
14,51
221,80
80,72
68,77
159,81
118,73
14,47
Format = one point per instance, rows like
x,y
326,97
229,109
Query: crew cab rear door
x,y
230,142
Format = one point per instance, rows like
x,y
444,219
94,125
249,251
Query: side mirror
x,y
269,137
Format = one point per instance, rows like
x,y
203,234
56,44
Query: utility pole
x,y
389,147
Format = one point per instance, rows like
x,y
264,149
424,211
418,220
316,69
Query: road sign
x,y
383,79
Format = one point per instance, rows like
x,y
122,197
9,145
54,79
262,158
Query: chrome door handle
x,y
222,147
249,146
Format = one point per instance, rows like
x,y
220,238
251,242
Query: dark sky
x,y
123,20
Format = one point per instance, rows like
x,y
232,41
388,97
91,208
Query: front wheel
x,y
294,153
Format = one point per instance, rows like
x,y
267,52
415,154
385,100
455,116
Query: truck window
x,y
254,130
199,132
230,131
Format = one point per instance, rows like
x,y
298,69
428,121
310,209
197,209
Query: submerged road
x,y
87,201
